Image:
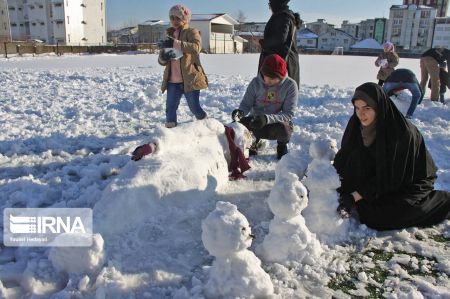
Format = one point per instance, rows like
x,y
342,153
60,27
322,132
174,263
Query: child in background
x,y
387,61
184,75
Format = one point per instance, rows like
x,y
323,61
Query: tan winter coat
x,y
194,77
392,59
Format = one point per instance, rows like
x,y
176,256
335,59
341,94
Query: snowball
x,y
78,260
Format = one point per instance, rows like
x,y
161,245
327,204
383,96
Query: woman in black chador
x,y
387,174
279,37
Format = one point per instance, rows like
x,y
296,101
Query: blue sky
x,y
124,12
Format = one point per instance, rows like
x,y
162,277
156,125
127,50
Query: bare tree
x,y
241,18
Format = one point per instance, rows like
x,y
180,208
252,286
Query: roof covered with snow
x,y
307,33
368,43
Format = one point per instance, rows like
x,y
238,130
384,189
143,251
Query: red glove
x,y
142,151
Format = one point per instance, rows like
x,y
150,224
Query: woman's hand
x,y
356,196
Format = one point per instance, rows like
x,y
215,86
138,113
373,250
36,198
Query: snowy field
x,y
68,125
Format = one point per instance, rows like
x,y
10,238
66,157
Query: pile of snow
x,y
236,271
189,162
368,43
70,123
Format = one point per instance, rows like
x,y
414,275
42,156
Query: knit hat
x,y
274,66
182,12
388,46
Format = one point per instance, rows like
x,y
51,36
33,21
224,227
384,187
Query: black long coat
x,y
278,34
395,175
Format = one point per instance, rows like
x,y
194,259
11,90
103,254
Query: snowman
x,y
236,271
289,239
322,180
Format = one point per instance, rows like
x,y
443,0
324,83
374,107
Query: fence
x,y
20,48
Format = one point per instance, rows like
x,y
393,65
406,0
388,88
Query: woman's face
x,y
176,22
365,113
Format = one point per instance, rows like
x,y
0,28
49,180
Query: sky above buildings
x,y
130,12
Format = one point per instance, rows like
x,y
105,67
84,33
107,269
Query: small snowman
x,y
322,180
236,271
289,239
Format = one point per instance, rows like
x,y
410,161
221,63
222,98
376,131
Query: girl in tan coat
x,y
387,61
185,75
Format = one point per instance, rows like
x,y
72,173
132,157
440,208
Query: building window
x,y
68,21
41,6
12,8
58,4
13,25
31,7
21,25
59,22
101,6
34,24
20,8
42,23
102,22
68,37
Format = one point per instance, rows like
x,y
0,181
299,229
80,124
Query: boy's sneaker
x,y
281,149
171,124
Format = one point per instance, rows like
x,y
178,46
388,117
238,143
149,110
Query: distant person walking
x,y
387,61
429,67
279,37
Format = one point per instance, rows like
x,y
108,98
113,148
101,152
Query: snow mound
x,y
189,162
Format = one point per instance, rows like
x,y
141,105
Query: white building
x,y
411,27
5,29
152,31
70,22
442,33
350,28
319,27
217,32
336,38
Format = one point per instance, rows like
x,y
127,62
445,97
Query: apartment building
x,y
411,27
440,5
442,33
5,29
320,27
336,38
70,22
350,28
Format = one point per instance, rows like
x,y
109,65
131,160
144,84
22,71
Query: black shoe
x,y
253,150
281,149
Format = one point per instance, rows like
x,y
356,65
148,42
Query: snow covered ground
x,y
68,125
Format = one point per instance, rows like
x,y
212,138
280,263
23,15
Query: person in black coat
x,y
387,174
280,37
